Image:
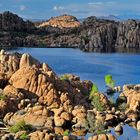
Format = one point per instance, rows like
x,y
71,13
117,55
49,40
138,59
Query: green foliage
x,y
94,90
95,99
24,136
64,77
109,81
97,127
112,101
20,126
122,107
97,103
66,133
100,128
3,97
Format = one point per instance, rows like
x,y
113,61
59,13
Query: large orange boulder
x,y
35,82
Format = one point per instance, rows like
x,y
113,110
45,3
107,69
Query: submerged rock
x,y
138,125
119,128
102,137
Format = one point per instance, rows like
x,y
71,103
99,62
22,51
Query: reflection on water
x,y
129,133
125,68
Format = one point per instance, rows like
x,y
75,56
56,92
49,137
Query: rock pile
x,y
33,93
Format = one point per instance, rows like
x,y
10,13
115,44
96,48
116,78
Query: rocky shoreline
x,y
92,35
37,104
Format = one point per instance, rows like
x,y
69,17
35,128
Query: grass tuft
x,y
24,136
66,133
20,126
64,77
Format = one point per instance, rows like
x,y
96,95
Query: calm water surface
x,y
125,69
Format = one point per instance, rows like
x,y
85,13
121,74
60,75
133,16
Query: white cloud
x,y
56,8
60,9
100,8
95,3
85,10
22,7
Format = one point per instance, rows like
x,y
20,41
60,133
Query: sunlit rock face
x,y
132,93
26,83
64,21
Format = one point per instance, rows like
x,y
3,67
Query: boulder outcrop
x,y
132,94
64,21
32,93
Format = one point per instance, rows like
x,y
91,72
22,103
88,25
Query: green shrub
x,y
100,128
95,99
97,103
112,101
66,133
109,81
64,77
97,127
3,97
24,136
20,126
94,90
122,107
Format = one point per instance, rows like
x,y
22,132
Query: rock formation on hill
x,y
12,22
14,31
64,21
92,35
32,94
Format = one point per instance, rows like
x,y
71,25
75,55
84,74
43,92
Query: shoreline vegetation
x,y
37,104
91,35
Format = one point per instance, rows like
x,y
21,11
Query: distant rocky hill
x,y
12,22
64,21
92,35
110,17
14,31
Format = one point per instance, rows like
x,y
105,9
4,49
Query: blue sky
x,y
44,9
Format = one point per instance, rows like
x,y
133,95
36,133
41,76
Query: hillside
x,y
14,31
92,35
12,22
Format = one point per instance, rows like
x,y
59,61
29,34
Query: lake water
x,y
125,69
